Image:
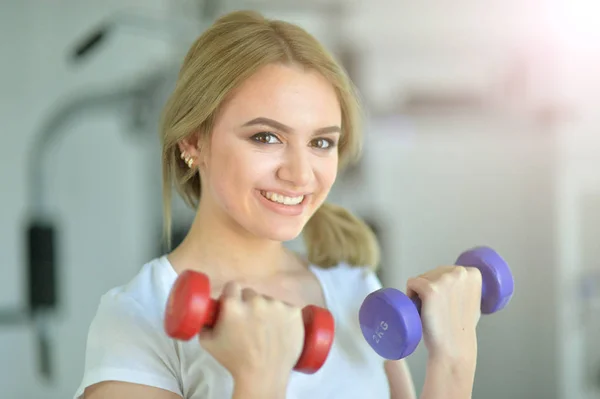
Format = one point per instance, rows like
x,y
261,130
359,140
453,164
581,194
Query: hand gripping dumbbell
x,y
390,321
190,309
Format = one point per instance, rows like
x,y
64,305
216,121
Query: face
x,y
273,154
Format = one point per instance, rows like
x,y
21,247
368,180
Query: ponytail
x,y
335,235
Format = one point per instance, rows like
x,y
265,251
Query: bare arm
x,y
125,390
259,388
449,378
400,380
450,311
444,379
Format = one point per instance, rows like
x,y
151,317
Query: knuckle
x,y
259,308
227,301
248,294
293,313
430,289
281,306
474,272
297,314
257,301
460,272
446,278
231,306
474,275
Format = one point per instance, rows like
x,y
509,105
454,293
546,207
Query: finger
x,y
205,336
421,287
474,274
232,290
460,272
434,274
248,294
273,300
230,294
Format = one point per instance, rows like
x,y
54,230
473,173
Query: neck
x,y
227,251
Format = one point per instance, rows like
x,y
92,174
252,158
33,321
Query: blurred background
x,y
482,129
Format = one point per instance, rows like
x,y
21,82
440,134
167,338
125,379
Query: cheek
x,y
327,172
237,172
223,173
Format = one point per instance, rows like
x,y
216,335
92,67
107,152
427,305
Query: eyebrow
x,y
286,129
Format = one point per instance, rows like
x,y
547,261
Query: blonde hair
x,y
230,51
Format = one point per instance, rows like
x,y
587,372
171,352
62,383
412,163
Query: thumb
x,y
207,338
232,291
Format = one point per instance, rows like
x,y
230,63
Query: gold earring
x,y
187,159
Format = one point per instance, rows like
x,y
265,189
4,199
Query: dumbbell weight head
x,y
319,332
497,280
390,322
189,307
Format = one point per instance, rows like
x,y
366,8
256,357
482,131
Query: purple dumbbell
x,y
390,321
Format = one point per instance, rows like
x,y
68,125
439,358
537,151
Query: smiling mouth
x,y
282,199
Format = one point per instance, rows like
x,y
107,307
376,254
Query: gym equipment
x,y
42,231
390,321
190,309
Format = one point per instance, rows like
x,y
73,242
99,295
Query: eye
x,y
266,138
323,143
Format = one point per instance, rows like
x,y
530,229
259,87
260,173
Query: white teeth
x,y
282,199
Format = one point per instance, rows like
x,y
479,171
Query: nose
x,y
296,168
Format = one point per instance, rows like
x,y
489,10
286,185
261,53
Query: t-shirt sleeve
x,y
123,344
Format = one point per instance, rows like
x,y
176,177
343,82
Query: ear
x,y
188,148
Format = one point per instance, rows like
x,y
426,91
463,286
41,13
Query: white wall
x,y
579,288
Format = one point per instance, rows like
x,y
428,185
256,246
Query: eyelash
x,y
257,138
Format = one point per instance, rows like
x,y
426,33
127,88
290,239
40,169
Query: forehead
x,y
289,94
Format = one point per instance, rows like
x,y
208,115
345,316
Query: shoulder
x,y
125,339
149,288
140,302
137,307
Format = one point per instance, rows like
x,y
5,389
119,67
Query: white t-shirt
x,y
127,342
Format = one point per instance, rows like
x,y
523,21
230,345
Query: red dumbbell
x,y
190,309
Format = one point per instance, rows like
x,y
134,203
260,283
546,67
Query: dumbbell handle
x,y
212,313
306,362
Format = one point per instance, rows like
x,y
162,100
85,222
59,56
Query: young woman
x,y
254,134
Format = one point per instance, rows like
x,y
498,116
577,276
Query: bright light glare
x,y
577,22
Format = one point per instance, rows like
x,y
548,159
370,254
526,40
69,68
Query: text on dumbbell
x,y
380,331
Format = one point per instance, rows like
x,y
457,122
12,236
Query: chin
x,y
278,223
283,232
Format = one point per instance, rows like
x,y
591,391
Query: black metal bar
x,y
42,266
